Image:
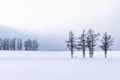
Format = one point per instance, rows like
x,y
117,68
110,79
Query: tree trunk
x,y
83,53
89,53
105,54
71,53
92,52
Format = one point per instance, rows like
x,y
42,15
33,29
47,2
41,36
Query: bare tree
x,y
14,43
26,45
19,44
1,42
71,43
5,44
91,41
35,45
82,43
107,42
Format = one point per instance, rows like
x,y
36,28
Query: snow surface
x,y
58,66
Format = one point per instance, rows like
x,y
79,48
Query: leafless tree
x,y
71,43
107,42
91,41
82,43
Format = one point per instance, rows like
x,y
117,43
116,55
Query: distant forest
x,y
18,44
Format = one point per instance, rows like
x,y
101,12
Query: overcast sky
x,y
43,15
57,17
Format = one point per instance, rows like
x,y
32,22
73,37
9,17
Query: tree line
x,y
19,44
88,40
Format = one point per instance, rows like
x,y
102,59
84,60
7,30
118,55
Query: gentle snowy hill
x,y
58,66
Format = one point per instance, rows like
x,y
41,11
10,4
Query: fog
x,y
55,18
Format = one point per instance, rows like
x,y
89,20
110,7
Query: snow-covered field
x,y
58,66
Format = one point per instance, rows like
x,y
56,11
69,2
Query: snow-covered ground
x,y
58,66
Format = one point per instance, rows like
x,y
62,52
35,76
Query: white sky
x,y
48,15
